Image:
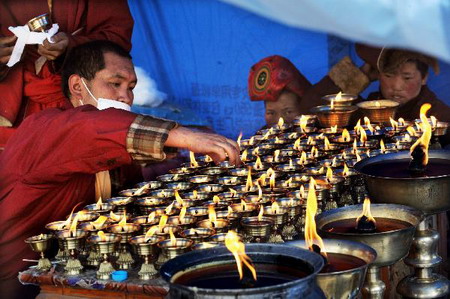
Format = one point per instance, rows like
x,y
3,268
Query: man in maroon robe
x,y
27,88
49,165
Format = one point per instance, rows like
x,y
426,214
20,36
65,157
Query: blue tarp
x,y
199,53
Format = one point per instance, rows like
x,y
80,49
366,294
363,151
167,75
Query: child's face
x,y
403,85
286,107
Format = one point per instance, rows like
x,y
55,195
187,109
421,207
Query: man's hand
x,y
51,51
6,48
213,145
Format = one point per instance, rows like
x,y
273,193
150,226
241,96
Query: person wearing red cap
x,y
277,82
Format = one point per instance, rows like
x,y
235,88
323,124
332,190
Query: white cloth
x,y
27,37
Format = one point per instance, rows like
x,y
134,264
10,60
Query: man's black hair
x,y
87,59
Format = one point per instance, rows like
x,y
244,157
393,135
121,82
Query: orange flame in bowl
x,y
173,240
99,222
345,135
101,235
366,211
424,140
261,213
249,183
311,236
237,248
162,222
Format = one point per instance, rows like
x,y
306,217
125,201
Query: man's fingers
x,y
8,41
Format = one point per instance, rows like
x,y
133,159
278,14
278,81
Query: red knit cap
x,y
269,77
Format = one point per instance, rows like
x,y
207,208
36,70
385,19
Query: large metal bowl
x,y
260,254
430,194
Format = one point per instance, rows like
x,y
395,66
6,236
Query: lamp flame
x,y
297,144
182,214
173,240
152,230
280,123
366,212
363,137
99,222
311,236
101,235
276,155
327,144
261,213
329,175
123,221
178,198
346,171
345,135
239,139
169,208
114,217
377,104
162,222
272,181
73,226
302,160
237,248
401,121
275,208
333,129
424,140
411,131
244,155
233,192
98,205
434,121
394,124
258,164
193,161
249,183
212,214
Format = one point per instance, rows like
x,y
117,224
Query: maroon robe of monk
x,y
22,92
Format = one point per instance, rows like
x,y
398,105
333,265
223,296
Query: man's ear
x,y
75,88
424,80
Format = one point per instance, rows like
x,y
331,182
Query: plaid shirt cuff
x,y
146,137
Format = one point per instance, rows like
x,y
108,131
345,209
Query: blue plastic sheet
x,y
199,52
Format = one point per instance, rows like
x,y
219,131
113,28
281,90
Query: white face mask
x,y
106,103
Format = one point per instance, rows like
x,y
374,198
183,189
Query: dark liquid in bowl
x,y
341,262
399,169
226,276
349,225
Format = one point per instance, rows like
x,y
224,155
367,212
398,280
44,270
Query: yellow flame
x,y
424,140
302,160
302,191
258,164
178,198
252,140
311,236
244,205
333,129
382,147
363,137
239,139
329,174
139,191
162,222
99,222
411,131
288,182
182,214
150,233
73,226
280,123
394,124
291,164
327,144
267,135
310,140
124,219
276,154
401,121
261,213
169,208
358,157
346,171
355,146
195,194
275,208
345,135
303,123
114,217
237,248
434,121
334,161
233,192
272,180
260,192
249,183
367,121
314,152
98,205
366,211
297,144
193,161
101,235
212,214
377,104
173,240
244,155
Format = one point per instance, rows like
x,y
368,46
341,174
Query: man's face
x,y
286,107
402,85
116,81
